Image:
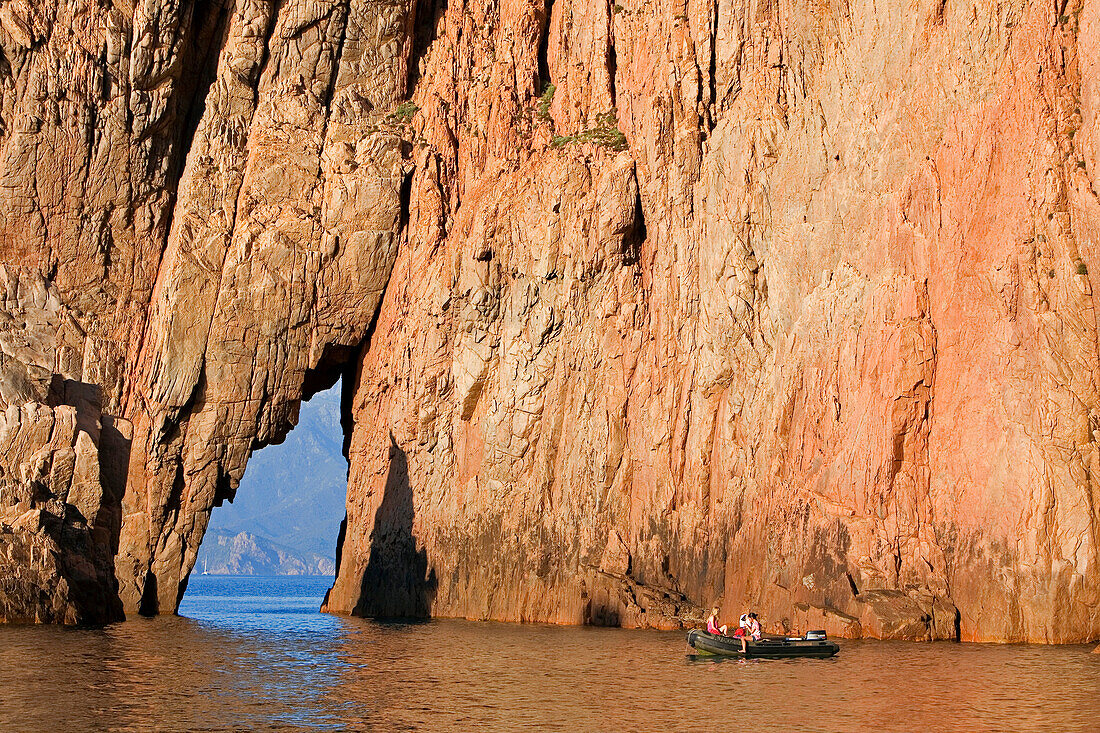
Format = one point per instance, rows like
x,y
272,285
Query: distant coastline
x,y
267,575
247,553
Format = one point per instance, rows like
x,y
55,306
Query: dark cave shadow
x,y
149,605
426,24
90,543
397,583
604,614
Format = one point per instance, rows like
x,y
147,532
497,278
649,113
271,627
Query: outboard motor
x,y
815,635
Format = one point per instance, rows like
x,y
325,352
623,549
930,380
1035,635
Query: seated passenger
x,y
712,623
750,629
754,627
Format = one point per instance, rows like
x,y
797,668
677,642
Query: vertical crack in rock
x,y
424,22
612,61
543,44
207,40
712,72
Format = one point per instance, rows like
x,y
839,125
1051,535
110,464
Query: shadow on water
x,y
397,582
691,658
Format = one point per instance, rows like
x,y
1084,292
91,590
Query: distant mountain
x,y
248,554
288,509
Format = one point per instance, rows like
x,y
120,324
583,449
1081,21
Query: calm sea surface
x,y
254,654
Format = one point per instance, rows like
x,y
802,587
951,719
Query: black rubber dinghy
x,y
780,647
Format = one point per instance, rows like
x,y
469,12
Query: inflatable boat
x,y
813,644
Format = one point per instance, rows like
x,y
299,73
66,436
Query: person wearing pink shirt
x,y
712,623
754,627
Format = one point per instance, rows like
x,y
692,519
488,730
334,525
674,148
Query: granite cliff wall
x,y
640,307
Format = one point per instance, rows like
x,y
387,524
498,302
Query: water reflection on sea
x,y
253,653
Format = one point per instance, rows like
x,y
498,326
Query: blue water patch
x,y
284,604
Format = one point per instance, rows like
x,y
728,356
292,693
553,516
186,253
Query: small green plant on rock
x,y
1082,269
605,133
545,100
403,113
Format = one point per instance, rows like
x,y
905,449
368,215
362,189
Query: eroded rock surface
x,y
60,473
641,307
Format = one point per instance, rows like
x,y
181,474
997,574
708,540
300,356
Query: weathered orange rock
x,y
781,307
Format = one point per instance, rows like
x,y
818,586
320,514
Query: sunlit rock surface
x,y
640,307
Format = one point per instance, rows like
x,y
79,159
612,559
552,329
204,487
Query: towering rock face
x,y
641,308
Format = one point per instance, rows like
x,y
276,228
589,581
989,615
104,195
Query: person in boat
x,y
749,629
742,632
754,627
712,623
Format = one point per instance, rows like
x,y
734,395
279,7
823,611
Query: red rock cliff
x,y
640,307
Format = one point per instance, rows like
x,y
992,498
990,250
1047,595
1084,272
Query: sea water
x,y
254,654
